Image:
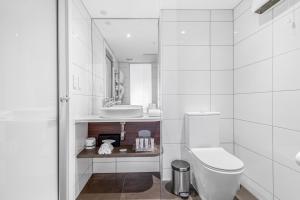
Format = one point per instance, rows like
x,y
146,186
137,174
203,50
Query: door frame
x,y
63,98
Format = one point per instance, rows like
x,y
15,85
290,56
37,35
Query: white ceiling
x,y
149,8
142,46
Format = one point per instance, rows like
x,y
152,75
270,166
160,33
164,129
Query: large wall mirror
x,y
130,49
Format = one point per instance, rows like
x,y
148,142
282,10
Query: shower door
x,y
28,100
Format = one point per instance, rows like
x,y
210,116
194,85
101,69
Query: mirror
x,y
130,49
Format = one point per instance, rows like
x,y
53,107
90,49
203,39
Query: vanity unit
x,y
118,162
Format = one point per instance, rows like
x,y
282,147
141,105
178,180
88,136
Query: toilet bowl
x,y
215,173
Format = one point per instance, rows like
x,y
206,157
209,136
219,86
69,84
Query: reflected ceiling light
x,y
128,35
183,32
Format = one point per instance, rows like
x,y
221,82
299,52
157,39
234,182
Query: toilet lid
x,y
218,158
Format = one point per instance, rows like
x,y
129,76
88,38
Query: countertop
x,y
96,118
93,153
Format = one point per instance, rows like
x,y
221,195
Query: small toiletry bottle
x,y
137,143
141,143
146,143
152,143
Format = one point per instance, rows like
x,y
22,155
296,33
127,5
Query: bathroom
x,y
213,83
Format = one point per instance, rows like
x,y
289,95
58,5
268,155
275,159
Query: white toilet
x,y
215,172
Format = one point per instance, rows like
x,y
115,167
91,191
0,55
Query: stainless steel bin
x,y
181,178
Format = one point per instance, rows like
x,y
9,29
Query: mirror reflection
x,y
130,49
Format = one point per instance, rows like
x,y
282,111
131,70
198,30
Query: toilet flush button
x,y
298,158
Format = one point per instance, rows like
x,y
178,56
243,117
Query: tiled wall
x,y
196,74
267,98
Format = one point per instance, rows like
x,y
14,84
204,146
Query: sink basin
x,y
122,111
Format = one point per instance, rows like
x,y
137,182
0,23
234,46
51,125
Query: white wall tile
x,y
241,8
254,78
222,104
222,82
258,168
186,57
286,183
173,131
255,189
195,33
254,136
254,107
249,23
286,71
226,130
171,152
138,159
221,57
228,147
286,146
104,167
221,33
185,15
255,48
174,106
286,105
186,82
221,15
286,37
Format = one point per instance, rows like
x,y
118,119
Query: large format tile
x,y
186,82
222,104
171,152
185,33
221,57
254,78
286,183
174,106
286,146
221,33
286,107
185,58
256,137
286,37
222,82
257,167
256,107
249,23
286,71
255,48
172,131
226,130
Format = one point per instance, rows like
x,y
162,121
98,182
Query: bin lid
x,y
180,165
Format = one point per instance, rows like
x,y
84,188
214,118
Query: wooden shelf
x,y
93,153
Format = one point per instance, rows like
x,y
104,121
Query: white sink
x,y
122,111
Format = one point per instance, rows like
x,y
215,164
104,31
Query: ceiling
x,y
135,39
149,8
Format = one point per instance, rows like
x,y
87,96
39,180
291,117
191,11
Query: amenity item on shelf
x,y
144,133
90,143
144,144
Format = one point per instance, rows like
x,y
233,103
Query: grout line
x,y
253,63
258,184
253,151
233,82
196,45
210,60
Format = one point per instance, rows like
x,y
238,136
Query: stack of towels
x,y
105,148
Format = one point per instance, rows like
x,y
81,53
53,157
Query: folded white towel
x,y
154,113
105,149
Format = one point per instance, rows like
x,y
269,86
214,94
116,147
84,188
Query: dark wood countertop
x,y
93,153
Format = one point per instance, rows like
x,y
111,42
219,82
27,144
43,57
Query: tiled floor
x,y
134,186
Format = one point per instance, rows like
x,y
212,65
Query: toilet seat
x,y
216,158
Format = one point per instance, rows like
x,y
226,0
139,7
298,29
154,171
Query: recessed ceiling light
x,y
183,32
128,35
103,12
